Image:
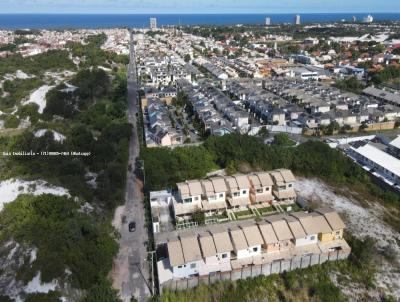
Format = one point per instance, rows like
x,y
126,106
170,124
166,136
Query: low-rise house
x,y
192,254
310,227
325,232
238,190
271,242
283,188
239,243
214,191
189,198
176,259
335,222
299,235
282,231
253,238
378,162
261,187
223,246
212,262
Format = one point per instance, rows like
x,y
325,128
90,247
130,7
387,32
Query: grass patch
x,y
266,210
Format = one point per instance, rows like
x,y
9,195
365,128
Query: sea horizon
x,y
140,20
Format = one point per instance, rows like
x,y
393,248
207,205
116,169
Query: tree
x,y
187,57
65,238
282,139
102,292
263,132
91,83
199,217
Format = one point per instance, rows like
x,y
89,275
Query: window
x,y
221,195
338,233
267,189
196,198
236,194
255,249
179,266
244,192
312,237
282,187
290,185
224,255
212,197
187,200
260,191
193,265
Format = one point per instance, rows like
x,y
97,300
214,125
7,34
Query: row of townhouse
x,y
230,247
161,65
159,129
308,104
212,68
218,113
217,194
377,161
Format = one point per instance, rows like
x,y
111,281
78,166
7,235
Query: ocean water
x,y
58,21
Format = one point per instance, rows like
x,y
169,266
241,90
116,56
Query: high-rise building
x,y
268,21
368,19
298,20
153,23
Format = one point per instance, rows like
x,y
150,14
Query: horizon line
x,y
194,13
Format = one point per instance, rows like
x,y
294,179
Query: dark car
x,y
132,226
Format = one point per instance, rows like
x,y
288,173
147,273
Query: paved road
x,y
131,269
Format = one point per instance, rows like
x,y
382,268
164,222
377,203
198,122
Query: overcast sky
x,y
197,6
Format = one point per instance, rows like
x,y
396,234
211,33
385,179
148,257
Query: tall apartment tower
x,y
153,23
298,20
268,21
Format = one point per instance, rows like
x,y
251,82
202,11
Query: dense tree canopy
x,y
65,237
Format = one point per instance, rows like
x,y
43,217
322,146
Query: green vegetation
x,y
65,237
99,127
242,153
282,139
93,118
351,84
17,90
38,64
51,296
11,121
165,167
92,55
386,75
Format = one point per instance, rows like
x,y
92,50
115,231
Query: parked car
x,y
132,226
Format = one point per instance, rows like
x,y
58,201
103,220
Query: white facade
x,y
309,239
187,270
153,23
249,252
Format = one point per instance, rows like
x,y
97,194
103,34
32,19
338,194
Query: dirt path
x,y
362,221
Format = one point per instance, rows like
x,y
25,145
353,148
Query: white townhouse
x,y
310,227
253,238
185,256
214,195
300,236
213,261
238,190
189,198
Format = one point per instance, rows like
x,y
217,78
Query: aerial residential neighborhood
x,y
199,151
